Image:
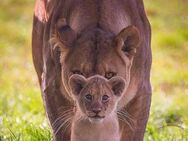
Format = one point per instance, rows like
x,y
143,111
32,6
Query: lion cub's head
x,y
96,97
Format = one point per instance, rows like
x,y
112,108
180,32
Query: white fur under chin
x,y
96,120
96,129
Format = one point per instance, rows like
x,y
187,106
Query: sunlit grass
x,y
22,116
169,115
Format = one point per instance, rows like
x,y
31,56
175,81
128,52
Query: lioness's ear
x,y
40,10
76,83
127,40
117,85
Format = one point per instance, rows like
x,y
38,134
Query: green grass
x,y
22,116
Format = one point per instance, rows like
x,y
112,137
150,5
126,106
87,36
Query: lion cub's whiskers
x,y
127,115
65,125
60,118
126,121
63,121
126,118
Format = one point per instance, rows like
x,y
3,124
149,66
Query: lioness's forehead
x,y
93,53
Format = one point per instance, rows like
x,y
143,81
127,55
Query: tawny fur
x,y
84,130
93,37
86,127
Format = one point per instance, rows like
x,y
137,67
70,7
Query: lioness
x,y
96,108
93,37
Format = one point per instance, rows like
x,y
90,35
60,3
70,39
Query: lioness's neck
x,y
84,130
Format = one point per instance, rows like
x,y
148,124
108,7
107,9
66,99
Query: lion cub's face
x,y
96,97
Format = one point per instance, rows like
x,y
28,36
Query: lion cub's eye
x,y
77,72
105,98
88,97
109,75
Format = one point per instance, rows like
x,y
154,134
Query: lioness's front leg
x,y
138,110
53,100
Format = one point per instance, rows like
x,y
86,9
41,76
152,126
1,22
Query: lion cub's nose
x,y
96,110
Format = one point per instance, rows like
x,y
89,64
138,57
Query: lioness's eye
x,y
77,72
109,75
105,98
88,97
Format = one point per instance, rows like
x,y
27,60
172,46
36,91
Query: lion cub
x,y
96,100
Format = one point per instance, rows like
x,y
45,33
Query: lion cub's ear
x,y
76,83
127,40
117,85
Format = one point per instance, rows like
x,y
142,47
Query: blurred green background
x,y
22,117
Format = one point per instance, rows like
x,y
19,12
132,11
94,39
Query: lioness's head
x,y
96,51
96,97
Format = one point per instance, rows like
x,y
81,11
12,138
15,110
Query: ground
x,y
22,116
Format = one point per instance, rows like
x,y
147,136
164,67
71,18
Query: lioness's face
x,y
96,97
89,58
96,52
